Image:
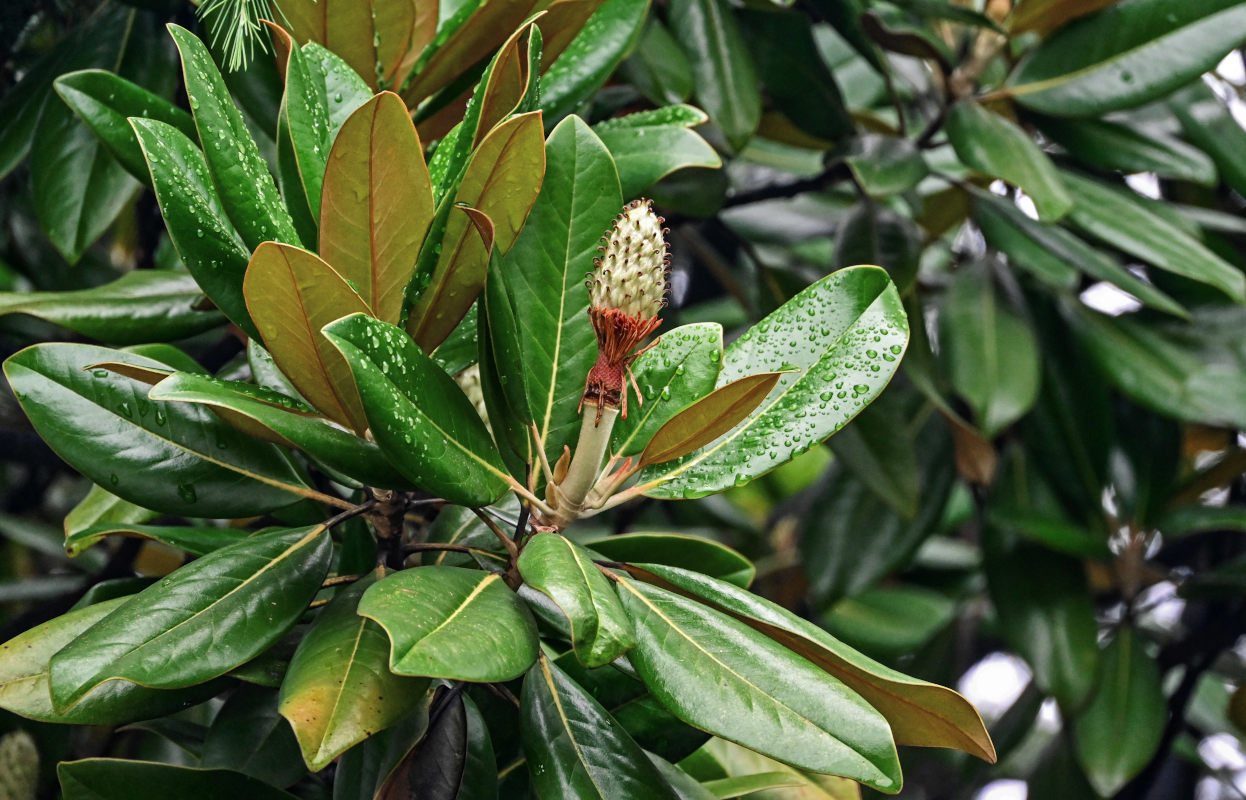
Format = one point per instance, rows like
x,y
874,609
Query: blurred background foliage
x,y
1045,509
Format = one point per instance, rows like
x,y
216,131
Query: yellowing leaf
x,y
708,418
377,203
291,295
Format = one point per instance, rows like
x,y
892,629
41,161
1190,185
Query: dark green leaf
x,y
227,608
992,145
243,182
1053,254
565,572
204,237
120,779
890,621
885,166
24,677
249,736
420,418
105,101
1124,220
1116,735
1116,146
679,550
194,540
592,56
873,234
719,674
883,454
843,360
649,145
455,623
286,421
657,67
104,425
1127,55
725,80
140,306
575,749
1046,615
991,352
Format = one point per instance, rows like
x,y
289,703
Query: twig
x,y
506,541
351,512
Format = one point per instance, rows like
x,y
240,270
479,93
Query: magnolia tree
x,y
422,346
372,436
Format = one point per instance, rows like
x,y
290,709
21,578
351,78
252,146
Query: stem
x,y
338,580
590,450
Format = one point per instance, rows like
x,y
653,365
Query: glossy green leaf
x,y
227,607
545,273
292,294
1126,55
124,779
1119,731
1179,370
343,88
306,111
919,713
363,769
647,147
418,415
247,735
992,145
337,691
872,233
1207,123
725,79
678,370
503,375
678,550
720,675
455,623
1046,615
204,237
140,306
1124,221
885,165
575,749
890,621
194,540
658,67
991,352
851,331
24,677
501,181
563,571
105,427
101,507
591,58
378,203
105,101
740,763
284,420
23,103
709,418
783,46
1054,255
1117,146
242,180
882,453
77,186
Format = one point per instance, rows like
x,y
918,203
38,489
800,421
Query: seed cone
x,y
627,290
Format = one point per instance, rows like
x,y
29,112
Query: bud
x,y
627,289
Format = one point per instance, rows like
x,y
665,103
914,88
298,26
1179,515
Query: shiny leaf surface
x,y
451,622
